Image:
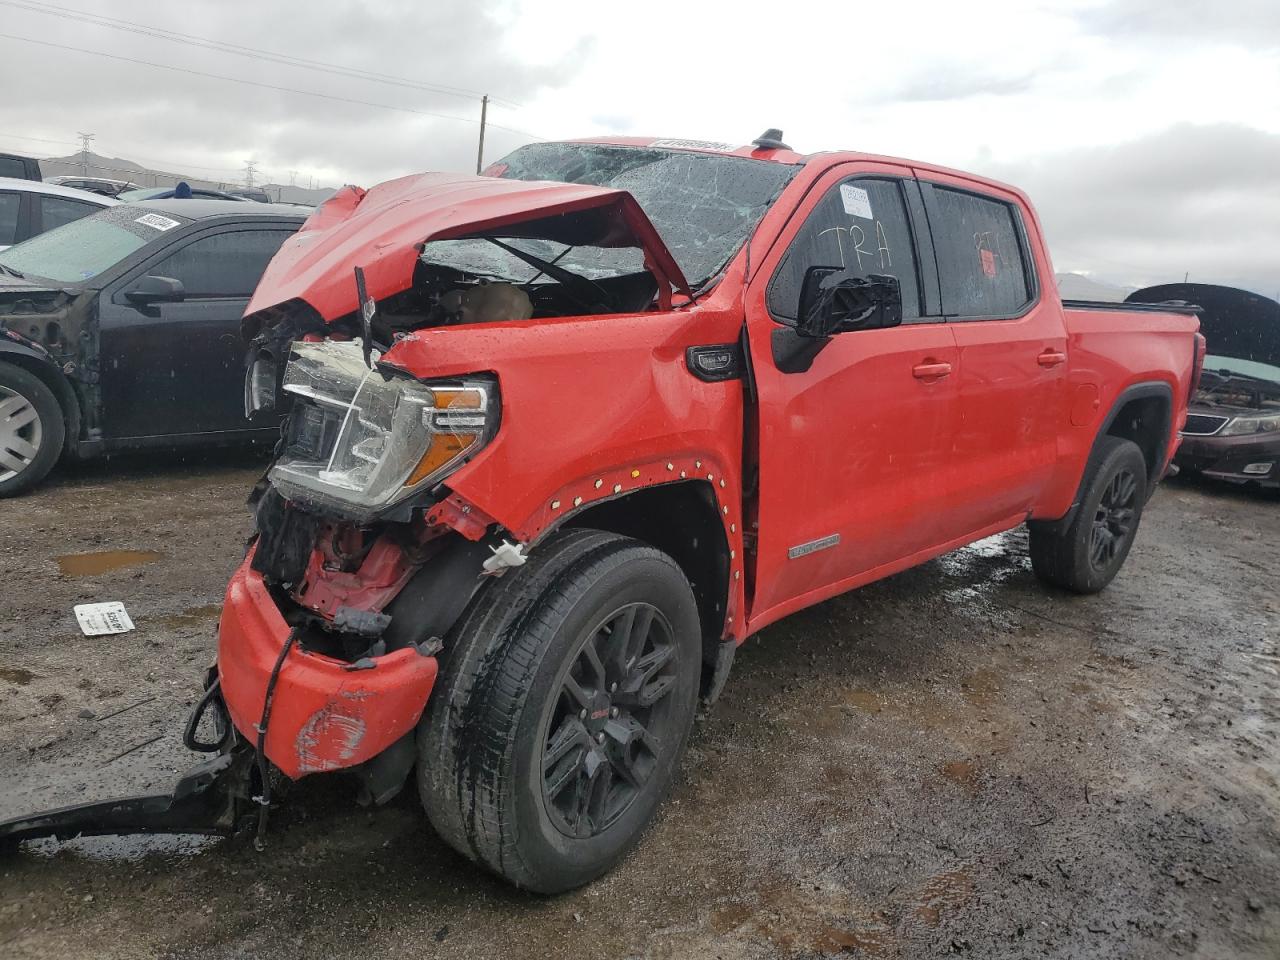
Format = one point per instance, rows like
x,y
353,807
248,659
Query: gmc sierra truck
x,y
562,436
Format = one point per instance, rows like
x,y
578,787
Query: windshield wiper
x,y
13,272
586,292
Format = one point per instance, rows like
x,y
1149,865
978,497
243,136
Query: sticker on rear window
x,y
157,221
694,144
988,262
857,203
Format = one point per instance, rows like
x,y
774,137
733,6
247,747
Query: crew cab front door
x,y
176,369
852,451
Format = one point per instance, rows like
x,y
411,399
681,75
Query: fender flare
x,y
1143,390
38,361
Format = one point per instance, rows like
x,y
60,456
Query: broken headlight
x,y
1243,426
360,441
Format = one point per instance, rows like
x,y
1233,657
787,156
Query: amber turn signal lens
x,y
444,448
458,421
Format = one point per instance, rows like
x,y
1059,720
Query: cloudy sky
x,y
1147,131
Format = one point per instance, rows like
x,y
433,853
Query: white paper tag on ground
x,y
856,201
97,619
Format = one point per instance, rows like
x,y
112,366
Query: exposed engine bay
x,y
487,280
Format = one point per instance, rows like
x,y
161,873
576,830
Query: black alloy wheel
x,y
1084,551
1113,521
607,726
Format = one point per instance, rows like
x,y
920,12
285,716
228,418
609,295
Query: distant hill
x,y
117,168
1076,286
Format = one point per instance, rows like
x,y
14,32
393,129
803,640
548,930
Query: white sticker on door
x,y
157,221
96,619
856,201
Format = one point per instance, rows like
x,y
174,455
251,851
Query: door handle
x,y
930,370
1051,358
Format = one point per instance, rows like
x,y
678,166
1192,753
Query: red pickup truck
x,y
564,435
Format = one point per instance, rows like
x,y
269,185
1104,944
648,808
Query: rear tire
x,y
1086,555
564,703
32,430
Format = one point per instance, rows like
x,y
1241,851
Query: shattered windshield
x,y
703,205
487,259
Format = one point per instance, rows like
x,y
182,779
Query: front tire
x,y
32,430
1086,555
564,703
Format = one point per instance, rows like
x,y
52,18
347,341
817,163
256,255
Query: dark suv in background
x,y
122,330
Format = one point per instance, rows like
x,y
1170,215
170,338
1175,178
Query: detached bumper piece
x,y
207,799
327,714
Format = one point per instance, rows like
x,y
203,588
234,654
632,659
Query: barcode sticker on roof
x,y
97,619
694,145
157,221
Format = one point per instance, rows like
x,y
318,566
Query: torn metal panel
x,y
59,326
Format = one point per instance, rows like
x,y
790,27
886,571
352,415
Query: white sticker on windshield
x,y
157,221
856,201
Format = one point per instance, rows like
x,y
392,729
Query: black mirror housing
x,y
156,290
832,301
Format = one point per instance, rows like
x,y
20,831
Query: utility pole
x,y
484,111
250,168
86,138
293,177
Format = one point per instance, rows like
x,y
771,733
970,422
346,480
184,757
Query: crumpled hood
x,y
383,230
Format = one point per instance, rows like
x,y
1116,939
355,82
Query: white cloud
x,y
1022,86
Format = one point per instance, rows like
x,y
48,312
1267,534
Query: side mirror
x,y
156,290
833,302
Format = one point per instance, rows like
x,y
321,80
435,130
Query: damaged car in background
x,y
1233,422
561,437
121,331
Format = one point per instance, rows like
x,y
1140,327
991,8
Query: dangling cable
x,y
264,772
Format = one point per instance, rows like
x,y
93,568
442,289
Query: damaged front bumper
x,y
327,714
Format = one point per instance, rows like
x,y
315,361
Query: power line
x,y
256,83
253,53
19,136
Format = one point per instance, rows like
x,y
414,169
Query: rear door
x,y
174,369
1013,349
852,451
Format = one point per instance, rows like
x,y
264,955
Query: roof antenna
x,y
771,139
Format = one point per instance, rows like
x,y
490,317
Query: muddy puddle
x,y
16,675
193,616
104,561
170,847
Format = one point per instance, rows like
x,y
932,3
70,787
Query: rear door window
x,y
222,265
861,225
9,204
57,211
981,257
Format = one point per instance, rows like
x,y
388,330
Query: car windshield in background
x,y
1244,368
703,205
81,250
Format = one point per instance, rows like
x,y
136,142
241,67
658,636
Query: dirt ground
x,y
951,761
